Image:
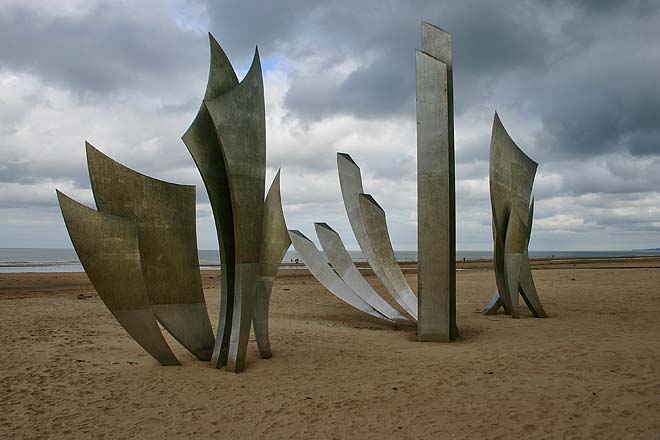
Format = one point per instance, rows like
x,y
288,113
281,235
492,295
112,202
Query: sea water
x,y
65,260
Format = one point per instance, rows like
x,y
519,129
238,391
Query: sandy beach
x,y
591,370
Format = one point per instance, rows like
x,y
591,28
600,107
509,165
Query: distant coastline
x,y
17,260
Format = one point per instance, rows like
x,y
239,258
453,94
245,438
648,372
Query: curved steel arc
x,y
274,243
390,276
326,276
240,124
204,147
343,265
527,286
374,217
107,247
165,217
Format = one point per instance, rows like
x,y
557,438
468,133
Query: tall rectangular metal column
x,y
436,209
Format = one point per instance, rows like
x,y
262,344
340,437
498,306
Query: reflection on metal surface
x,y
274,243
436,226
204,146
343,265
326,276
227,140
240,124
375,253
165,217
511,179
107,247
383,254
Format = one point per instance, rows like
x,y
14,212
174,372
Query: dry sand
x,y
592,370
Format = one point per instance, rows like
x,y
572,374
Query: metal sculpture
x,y
165,216
274,244
204,147
391,276
327,277
343,265
511,179
108,249
376,226
227,140
240,124
436,208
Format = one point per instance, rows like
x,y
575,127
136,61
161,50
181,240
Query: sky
x,y
576,84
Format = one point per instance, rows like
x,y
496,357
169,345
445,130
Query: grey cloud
x,y
540,58
102,50
574,81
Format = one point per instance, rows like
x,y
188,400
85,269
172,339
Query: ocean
x,y
13,260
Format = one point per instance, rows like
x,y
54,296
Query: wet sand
x,y
591,370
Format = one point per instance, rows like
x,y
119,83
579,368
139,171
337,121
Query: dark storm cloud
x,y
587,70
101,50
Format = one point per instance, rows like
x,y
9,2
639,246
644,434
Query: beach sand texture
x,y
592,370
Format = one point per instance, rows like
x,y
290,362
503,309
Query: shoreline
x,y
404,264
21,284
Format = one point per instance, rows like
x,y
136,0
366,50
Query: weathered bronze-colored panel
x,y
240,123
274,243
165,216
204,146
511,179
108,249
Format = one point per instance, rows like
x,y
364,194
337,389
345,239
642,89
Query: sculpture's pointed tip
x,y
497,123
323,225
91,149
298,233
275,184
431,25
347,157
65,200
255,67
369,198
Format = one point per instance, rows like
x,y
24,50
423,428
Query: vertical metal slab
x,y
326,276
274,243
204,147
165,216
107,247
240,123
391,277
436,226
343,265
